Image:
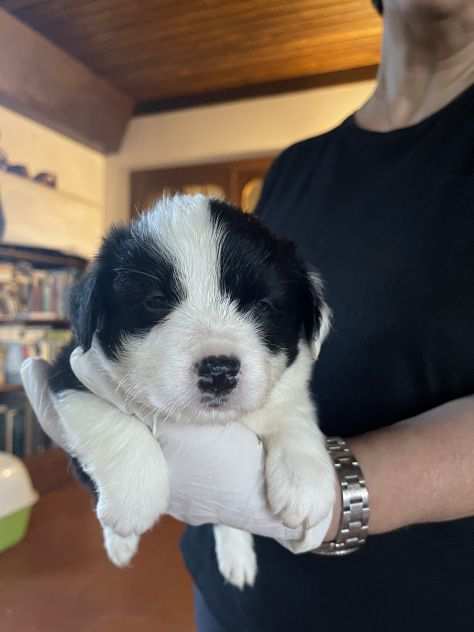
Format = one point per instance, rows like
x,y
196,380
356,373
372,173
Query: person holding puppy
x,y
383,206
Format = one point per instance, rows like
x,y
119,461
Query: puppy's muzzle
x,y
217,375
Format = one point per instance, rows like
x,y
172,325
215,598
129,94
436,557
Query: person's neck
x,y
424,67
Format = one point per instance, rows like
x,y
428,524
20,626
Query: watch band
x,y
354,524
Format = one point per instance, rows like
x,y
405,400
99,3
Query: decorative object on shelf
x,y
17,497
19,170
43,177
48,179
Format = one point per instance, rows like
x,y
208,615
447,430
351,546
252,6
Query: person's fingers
x,y
89,370
96,372
34,375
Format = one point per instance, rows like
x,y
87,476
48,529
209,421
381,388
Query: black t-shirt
x,y
388,219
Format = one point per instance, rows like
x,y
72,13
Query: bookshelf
x,y
34,291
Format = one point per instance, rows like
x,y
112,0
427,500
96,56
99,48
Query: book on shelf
x,y
20,433
18,342
28,293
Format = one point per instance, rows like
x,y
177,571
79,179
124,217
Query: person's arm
x,y
419,470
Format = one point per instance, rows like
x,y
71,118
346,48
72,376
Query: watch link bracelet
x,y
354,523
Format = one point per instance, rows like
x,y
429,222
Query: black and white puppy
x,y
206,317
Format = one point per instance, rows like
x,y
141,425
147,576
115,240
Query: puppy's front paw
x,y
132,500
120,550
300,484
236,557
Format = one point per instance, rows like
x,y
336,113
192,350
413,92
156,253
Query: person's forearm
x,y
419,470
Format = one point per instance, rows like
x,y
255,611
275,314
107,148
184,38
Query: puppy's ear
x,y
319,322
86,308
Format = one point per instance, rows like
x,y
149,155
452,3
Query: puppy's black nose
x,y
218,374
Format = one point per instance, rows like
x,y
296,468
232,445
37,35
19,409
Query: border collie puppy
x,y
205,317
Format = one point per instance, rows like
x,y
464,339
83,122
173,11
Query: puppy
x,y
206,317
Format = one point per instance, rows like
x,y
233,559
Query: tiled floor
x,y
58,579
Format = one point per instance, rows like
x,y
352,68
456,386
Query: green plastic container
x,y
17,497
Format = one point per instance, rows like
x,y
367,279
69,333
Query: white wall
x,y
74,221
219,132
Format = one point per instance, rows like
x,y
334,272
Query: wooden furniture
x,y
238,181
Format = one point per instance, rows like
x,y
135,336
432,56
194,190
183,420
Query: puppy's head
x,y
200,308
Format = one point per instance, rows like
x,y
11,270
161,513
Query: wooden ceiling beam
x,y
46,84
182,102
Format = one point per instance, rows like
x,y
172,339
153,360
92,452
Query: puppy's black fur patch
x,y
265,276
131,287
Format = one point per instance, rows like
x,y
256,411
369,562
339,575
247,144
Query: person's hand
x,y
216,471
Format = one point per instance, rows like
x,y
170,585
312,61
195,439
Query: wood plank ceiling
x,y
173,53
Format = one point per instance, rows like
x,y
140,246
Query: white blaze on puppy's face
x,y
163,364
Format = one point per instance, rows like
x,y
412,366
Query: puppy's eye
x,y
155,302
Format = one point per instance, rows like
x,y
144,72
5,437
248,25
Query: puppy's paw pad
x,y
120,550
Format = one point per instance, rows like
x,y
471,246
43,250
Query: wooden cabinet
x,y
239,182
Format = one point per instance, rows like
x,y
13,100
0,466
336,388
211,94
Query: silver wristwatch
x,y
354,522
